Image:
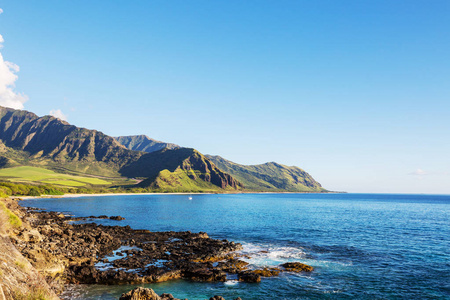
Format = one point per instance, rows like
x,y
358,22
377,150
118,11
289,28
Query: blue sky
x,y
357,93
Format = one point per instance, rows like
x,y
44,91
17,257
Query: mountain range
x,y
144,143
50,143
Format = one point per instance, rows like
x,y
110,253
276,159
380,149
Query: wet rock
x,y
268,272
248,276
80,253
117,218
167,297
140,294
297,267
233,265
203,235
153,257
205,274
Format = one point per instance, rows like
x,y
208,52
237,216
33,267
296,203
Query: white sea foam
x,y
271,255
231,282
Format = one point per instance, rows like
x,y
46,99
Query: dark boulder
x,y
248,276
268,272
140,293
206,274
297,267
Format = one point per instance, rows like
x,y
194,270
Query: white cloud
x,y
57,113
419,172
1,11
8,77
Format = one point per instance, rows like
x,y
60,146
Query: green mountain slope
x,y
266,177
48,141
144,143
269,176
174,170
28,140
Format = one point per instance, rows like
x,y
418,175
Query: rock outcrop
x,y
18,278
46,251
92,253
141,293
297,267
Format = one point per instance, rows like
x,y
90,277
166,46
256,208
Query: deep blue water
x,y
366,246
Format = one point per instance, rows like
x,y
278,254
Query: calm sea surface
x,y
366,246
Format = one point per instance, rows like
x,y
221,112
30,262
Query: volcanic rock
x,y
297,267
248,276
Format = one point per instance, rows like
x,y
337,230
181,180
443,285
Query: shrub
x,y
5,191
20,264
35,294
34,192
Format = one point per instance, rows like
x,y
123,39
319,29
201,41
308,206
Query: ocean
x,y
364,246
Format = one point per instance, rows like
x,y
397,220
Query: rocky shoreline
x,y
68,252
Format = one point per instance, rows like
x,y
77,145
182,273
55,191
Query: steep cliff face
x,y
144,143
182,169
208,171
51,138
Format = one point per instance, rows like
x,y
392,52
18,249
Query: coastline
x,y
102,194
81,253
158,193
61,253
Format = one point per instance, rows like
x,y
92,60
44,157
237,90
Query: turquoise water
x,y
375,246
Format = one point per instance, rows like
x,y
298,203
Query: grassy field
x,y
40,175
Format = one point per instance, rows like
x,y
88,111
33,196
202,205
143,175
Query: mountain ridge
x,y
270,176
144,143
52,143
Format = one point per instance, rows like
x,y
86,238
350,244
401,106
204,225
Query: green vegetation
x,y
19,189
20,264
35,174
50,144
182,169
182,181
13,220
271,176
64,182
48,156
35,294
